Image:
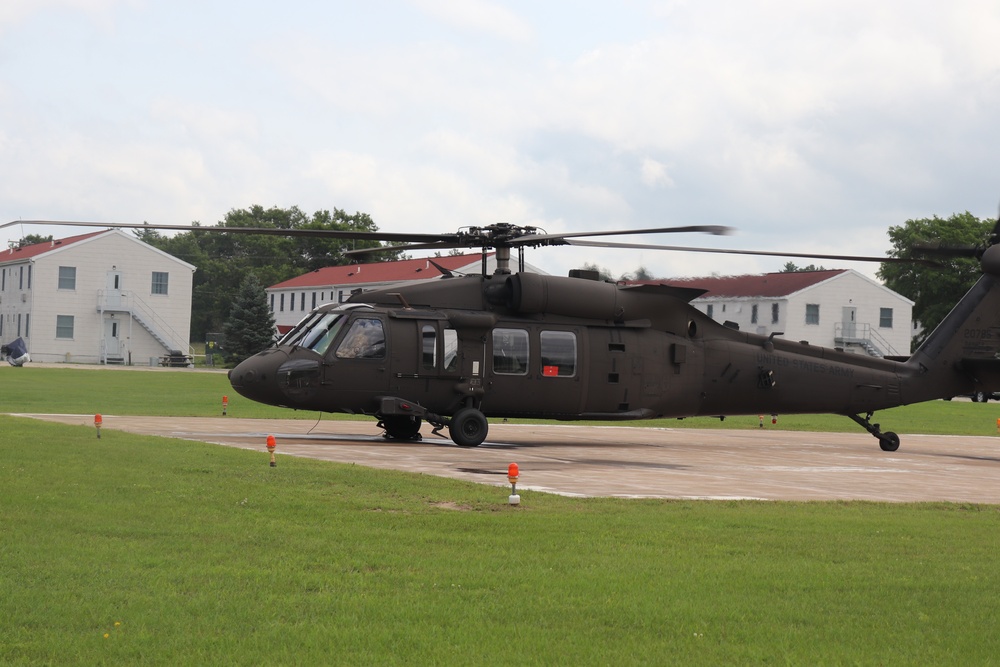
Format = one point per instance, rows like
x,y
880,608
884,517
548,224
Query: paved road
x,y
631,462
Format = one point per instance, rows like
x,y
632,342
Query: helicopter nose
x,y
256,377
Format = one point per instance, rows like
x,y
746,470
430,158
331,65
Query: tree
x,y
790,267
32,239
222,260
934,291
249,328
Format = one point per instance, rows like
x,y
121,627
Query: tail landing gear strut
x,y
888,441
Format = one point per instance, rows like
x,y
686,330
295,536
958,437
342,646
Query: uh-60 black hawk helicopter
x,y
459,350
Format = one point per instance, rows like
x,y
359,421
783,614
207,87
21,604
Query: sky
x,y
809,126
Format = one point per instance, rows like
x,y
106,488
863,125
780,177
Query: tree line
x,y
223,261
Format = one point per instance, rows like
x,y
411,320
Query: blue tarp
x,y
16,353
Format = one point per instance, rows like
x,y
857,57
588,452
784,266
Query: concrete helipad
x,y
629,461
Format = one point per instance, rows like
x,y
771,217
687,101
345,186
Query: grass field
x,y
142,550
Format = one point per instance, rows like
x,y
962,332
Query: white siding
x,y
93,259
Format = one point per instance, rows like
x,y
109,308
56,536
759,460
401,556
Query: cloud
x,y
479,16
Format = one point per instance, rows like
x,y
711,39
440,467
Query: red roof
x,y
36,249
379,272
766,285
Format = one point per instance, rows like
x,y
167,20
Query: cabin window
x,y
161,282
314,301
64,326
753,314
450,349
67,277
885,318
272,302
281,302
774,313
364,340
302,301
812,313
558,350
317,336
428,347
510,351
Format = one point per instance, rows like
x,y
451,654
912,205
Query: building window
x,y
272,302
558,350
29,280
710,310
64,326
314,301
67,277
302,302
774,313
812,313
281,303
753,314
161,282
20,280
510,351
885,318
27,325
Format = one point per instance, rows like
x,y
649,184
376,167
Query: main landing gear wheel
x,y
889,442
468,427
401,427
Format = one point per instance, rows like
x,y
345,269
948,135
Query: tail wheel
x,y
889,442
468,427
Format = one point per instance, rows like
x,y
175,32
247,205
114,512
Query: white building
x,y
837,308
104,297
292,299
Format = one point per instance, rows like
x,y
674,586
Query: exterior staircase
x,y
145,316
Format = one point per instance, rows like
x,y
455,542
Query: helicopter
x,y
457,351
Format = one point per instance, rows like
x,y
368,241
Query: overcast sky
x,y
809,126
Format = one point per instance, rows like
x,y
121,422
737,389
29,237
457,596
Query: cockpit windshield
x,y
316,332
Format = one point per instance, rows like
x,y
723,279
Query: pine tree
x,y
249,329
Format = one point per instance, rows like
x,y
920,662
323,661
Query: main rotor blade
x,y
555,239
409,246
395,237
764,253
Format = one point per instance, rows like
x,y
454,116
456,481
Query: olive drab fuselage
x,y
527,345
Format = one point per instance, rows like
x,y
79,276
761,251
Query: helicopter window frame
x,y
511,351
449,341
365,339
558,352
428,347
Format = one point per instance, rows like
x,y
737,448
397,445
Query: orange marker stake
x,y
225,405
512,476
98,420
271,444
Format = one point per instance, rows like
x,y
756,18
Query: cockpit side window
x,y
318,336
364,340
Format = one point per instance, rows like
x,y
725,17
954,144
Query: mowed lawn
x,y
143,550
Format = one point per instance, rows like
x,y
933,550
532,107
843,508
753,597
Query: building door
x,y
113,291
112,339
849,322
